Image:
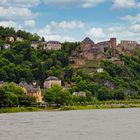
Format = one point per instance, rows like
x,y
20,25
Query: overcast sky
x,y
72,20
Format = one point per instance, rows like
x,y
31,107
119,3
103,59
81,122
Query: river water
x,y
117,124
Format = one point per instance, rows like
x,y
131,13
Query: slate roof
x,y
52,78
30,88
87,40
53,42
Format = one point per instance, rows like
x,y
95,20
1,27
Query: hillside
x,y
23,63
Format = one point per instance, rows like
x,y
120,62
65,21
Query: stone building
x,y
32,90
54,45
6,46
20,39
51,81
39,45
86,49
103,46
113,42
99,70
80,93
86,44
10,39
128,45
90,50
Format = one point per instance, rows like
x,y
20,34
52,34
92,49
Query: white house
x,y
100,70
20,39
6,46
80,93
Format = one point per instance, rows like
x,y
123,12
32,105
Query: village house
x,y
35,45
80,93
20,39
1,83
54,45
99,70
6,46
39,45
32,90
9,39
51,81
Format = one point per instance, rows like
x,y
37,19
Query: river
x,y
117,124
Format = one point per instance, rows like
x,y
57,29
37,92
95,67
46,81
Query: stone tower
x,y
113,42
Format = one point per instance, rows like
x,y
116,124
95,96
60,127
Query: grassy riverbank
x,y
97,105
18,109
104,105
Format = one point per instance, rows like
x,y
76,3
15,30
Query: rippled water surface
x,y
118,124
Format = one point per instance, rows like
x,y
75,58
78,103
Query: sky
x,y
73,20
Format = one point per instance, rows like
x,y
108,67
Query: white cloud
x,y
66,25
133,19
56,30
15,13
119,4
54,27
77,3
8,24
96,33
57,37
135,28
19,3
121,32
29,23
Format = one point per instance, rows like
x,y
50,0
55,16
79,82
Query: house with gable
x,y
32,90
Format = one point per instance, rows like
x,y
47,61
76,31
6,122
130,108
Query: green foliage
x,y
10,95
21,62
119,94
57,95
104,94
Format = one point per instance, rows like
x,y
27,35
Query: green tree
x,y
57,95
104,94
119,94
10,95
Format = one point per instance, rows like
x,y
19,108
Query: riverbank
x,y
67,108
18,109
99,105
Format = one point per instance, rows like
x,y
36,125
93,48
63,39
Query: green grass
x,y
18,109
91,63
67,108
97,105
88,70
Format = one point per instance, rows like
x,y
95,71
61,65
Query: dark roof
x,y
87,40
53,42
30,88
22,83
52,78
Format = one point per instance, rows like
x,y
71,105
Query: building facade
x,y
32,90
54,45
10,39
52,80
6,46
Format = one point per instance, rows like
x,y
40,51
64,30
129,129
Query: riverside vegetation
x,y
22,63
